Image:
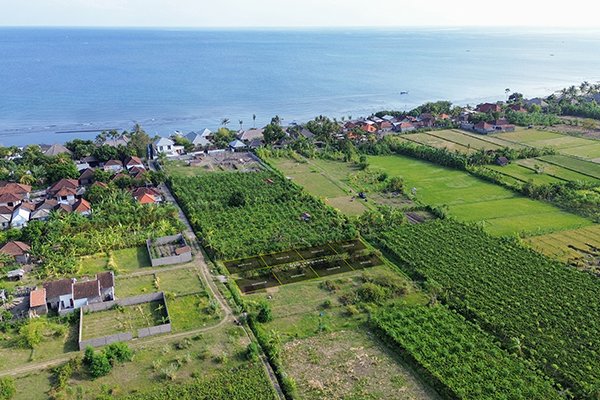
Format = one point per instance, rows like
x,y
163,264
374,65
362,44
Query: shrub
x,y
264,314
252,352
118,352
7,388
100,365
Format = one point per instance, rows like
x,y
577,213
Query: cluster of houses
x,y
133,167
67,295
483,127
18,207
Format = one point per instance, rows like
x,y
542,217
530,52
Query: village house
x,y
488,107
86,177
5,216
517,108
66,191
57,149
12,194
37,303
237,145
20,216
167,147
116,142
42,210
59,294
82,207
66,295
132,162
147,195
113,166
19,251
200,139
137,173
87,292
88,162
251,134
404,127
484,128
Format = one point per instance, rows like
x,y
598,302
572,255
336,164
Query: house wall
x,y
175,259
121,337
24,259
80,303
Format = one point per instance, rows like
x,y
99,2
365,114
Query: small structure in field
x,y
502,161
169,250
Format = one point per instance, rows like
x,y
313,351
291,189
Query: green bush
x,y
7,388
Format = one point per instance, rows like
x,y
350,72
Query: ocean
x,y
60,83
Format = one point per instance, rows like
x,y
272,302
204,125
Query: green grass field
x,y
191,312
125,261
468,198
180,281
126,319
437,142
132,286
324,179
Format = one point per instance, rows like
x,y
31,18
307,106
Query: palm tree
x,y
225,122
241,123
254,121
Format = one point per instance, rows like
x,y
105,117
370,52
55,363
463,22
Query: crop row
x,y
245,214
513,292
463,361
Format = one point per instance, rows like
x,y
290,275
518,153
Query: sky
x,y
299,13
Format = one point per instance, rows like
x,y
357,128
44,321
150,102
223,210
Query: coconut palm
x,y
225,122
254,121
241,123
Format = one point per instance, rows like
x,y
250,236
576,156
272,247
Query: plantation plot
x,y
296,274
245,264
285,257
326,268
513,292
366,261
259,282
314,252
282,216
350,246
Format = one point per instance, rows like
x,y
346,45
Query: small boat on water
x,y
404,92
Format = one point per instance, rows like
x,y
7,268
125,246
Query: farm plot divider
x,y
262,272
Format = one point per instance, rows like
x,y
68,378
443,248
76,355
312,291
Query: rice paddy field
x,y
587,149
499,210
459,140
578,246
550,169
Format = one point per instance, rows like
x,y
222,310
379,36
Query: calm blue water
x,y
54,80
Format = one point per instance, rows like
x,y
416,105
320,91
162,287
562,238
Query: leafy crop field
x,y
500,210
245,214
515,293
465,361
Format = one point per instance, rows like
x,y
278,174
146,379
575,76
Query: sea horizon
x,y
57,80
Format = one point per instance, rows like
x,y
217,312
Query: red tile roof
x,y
10,198
37,297
86,290
63,183
106,279
82,205
16,188
134,161
110,163
15,248
58,288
